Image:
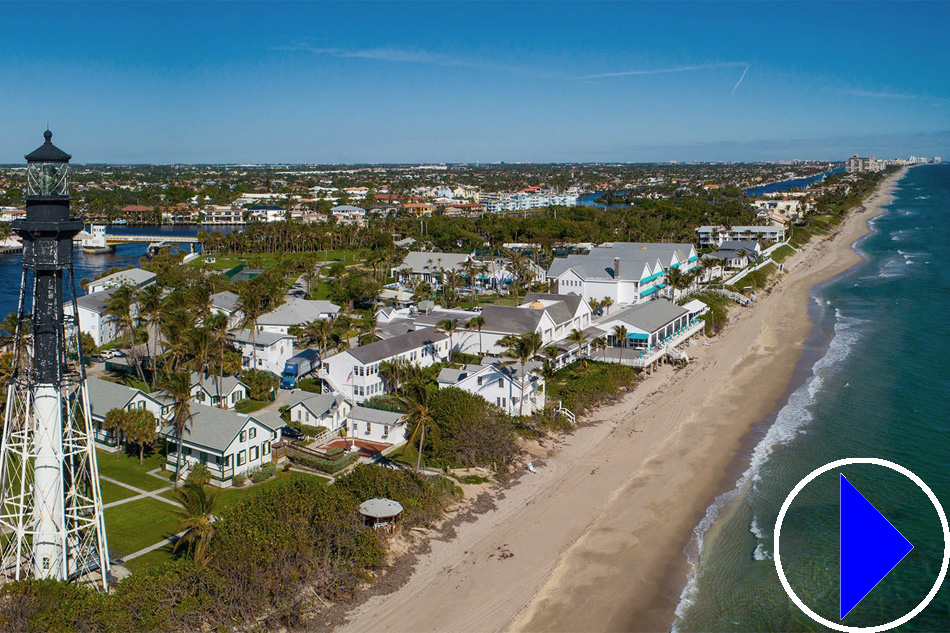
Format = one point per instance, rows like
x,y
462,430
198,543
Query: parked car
x,y
292,433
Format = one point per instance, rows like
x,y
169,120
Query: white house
x,y
227,443
500,384
736,254
319,409
624,272
215,391
296,312
104,396
355,373
94,317
228,304
134,277
376,426
272,349
648,325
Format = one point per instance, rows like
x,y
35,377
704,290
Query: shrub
x,y
384,403
468,431
264,473
199,475
329,466
307,429
238,480
309,384
581,390
422,497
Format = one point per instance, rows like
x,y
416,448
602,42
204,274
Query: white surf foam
x,y
761,553
790,422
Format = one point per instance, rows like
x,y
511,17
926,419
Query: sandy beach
x,y
595,540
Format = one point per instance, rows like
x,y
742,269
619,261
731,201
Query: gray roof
x,y
418,261
270,419
97,301
452,375
262,339
563,308
318,404
105,396
511,320
388,348
346,208
739,245
404,242
227,301
131,277
378,416
298,312
650,316
210,382
380,508
602,266
215,428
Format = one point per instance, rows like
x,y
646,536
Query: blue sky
x,y
467,81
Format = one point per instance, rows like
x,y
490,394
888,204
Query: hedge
x,y
329,466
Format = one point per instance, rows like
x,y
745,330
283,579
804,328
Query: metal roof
x,y
262,339
650,316
215,428
298,312
380,508
226,300
381,350
365,414
47,152
104,396
511,320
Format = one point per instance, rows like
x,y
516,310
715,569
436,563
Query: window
x,y
386,430
501,402
242,458
252,433
253,453
243,436
265,448
369,427
227,461
307,415
480,380
501,382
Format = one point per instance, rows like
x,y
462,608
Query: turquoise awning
x,y
676,265
649,291
637,336
651,277
693,258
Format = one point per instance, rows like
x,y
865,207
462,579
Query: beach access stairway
x,y
334,385
735,296
560,409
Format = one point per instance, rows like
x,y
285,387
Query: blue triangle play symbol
x,y
870,547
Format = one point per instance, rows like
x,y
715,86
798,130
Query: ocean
x,y
873,382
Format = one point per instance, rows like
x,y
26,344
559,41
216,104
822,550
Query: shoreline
x,y
619,499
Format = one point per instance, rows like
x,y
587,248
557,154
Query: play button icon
x,y
870,547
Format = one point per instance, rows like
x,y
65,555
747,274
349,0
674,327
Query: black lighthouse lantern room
x,y
47,232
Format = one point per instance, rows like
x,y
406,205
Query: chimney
x,y
616,267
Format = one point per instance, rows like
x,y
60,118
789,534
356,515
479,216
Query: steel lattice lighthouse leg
x,y
51,512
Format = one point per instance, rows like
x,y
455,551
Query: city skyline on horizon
x,y
477,83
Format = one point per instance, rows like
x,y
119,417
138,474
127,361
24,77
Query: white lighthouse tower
x,y
51,516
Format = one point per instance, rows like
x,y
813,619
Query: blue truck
x,y
299,366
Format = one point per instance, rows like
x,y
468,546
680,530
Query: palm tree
x,y
605,303
477,323
195,519
419,413
217,327
120,306
600,343
523,348
449,326
178,386
677,279
251,304
578,338
620,334
150,306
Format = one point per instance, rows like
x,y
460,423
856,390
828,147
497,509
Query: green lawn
x,y
250,406
125,468
782,253
113,492
152,559
136,525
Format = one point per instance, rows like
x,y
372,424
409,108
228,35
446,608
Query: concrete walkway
x,y
171,540
142,494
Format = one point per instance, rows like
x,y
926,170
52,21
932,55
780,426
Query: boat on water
x,y
120,222
93,241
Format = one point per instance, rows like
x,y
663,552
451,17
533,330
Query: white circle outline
x,y
946,545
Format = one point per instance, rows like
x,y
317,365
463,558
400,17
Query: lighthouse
x,y
51,514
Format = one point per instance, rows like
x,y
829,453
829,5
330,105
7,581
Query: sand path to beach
x,y
595,540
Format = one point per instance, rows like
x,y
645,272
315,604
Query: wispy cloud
x,y
407,56
877,95
740,79
663,71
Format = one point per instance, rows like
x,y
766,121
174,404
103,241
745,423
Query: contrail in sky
x,y
740,79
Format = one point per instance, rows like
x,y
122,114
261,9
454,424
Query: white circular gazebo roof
x,y
380,508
